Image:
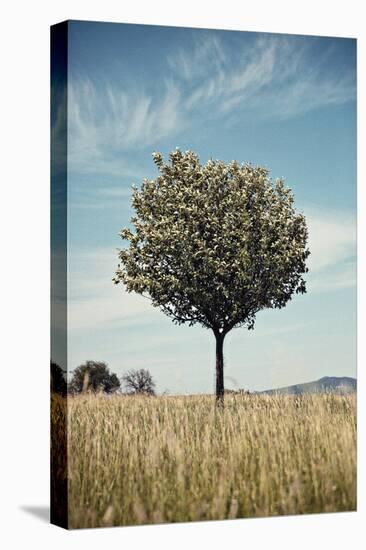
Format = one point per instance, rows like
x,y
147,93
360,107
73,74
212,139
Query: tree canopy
x,y
139,381
213,244
94,376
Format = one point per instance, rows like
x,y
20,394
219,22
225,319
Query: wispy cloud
x,y
114,192
226,83
188,63
332,242
332,238
267,77
338,278
101,197
274,76
105,123
94,301
58,130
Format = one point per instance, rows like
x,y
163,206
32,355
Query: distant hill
x,y
334,384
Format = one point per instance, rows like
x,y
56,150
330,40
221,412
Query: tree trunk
x,y
219,369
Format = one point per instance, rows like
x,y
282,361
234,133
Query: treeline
x,y
95,376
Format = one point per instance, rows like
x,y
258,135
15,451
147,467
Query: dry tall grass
x,y
136,460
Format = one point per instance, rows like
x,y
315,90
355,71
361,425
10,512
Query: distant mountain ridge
x,y
334,384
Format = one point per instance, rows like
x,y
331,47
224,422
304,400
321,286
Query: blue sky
x,y
282,101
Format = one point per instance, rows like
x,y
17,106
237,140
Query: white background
x,y
24,312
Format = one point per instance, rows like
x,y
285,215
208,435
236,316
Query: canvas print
x,y
203,297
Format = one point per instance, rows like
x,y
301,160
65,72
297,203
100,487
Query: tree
x,y
139,381
213,244
58,379
94,376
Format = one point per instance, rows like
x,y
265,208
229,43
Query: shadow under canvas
x,y
40,512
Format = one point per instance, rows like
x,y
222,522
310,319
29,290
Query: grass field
x,y
137,460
